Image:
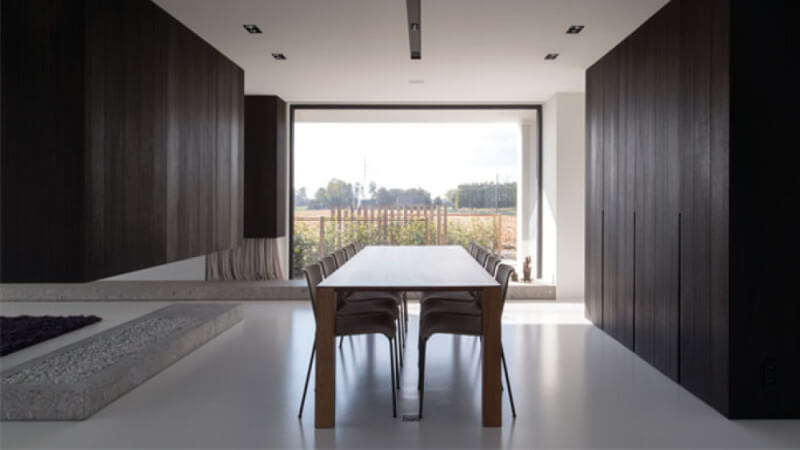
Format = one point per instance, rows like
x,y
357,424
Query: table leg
x,y
325,395
492,348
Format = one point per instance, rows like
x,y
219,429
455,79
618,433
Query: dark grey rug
x,y
21,332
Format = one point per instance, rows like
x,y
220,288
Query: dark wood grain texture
x,y
42,142
714,179
265,173
594,195
127,149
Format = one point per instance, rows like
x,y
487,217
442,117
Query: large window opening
x,y
410,177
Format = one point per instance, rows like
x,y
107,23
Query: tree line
x,y
470,195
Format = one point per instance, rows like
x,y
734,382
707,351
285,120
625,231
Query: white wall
x,y
187,269
564,166
549,192
527,194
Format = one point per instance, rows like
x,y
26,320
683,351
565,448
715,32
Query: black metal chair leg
x,y
402,342
341,340
394,393
308,375
397,365
405,311
508,383
421,386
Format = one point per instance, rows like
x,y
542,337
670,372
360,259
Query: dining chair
x,y
359,246
328,265
350,251
349,323
399,297
460,318
341,257
491,264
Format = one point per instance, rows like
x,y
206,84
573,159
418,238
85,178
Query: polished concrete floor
x,y
574,387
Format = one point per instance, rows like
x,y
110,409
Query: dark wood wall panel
x,y
618,206
131,150
42,166
657,195
698,348
193,101
125,161
661,300
714,179
265,173
765,366
594,195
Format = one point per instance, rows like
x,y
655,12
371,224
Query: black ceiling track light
x,y
252,29
414,10
279,56
575,29
551,56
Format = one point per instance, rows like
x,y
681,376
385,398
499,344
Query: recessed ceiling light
x,y
551,56
279,56
575,29
252,29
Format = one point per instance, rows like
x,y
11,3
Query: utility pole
x,y
496,193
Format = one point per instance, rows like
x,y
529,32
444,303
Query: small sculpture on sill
x,y
526,270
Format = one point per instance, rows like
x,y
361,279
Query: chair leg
x,y
308,375
405,310
397,362
508,383
393,367
402,343
341,340
421,381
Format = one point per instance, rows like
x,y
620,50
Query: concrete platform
x,y
199,290
74,382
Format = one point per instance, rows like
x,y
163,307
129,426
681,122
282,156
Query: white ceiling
x,y
356,51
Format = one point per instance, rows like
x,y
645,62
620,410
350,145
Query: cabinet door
x,y
656,283
594,194
618,204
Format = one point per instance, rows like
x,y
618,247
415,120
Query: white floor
x,y
574,387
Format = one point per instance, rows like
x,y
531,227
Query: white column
x,y
528,195
563,177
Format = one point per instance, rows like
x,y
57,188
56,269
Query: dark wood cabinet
x,y
265,173
122,141
686,215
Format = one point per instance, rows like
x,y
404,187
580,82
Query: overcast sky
x,y
434,156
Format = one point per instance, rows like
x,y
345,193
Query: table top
x,y
410,268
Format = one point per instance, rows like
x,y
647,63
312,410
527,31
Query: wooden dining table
x,y
402,269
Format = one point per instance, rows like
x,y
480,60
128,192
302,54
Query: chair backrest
x,y
502,276
313,273
358,246
350,251
481,257
471,248
341,257
491,264
329,266
335,262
